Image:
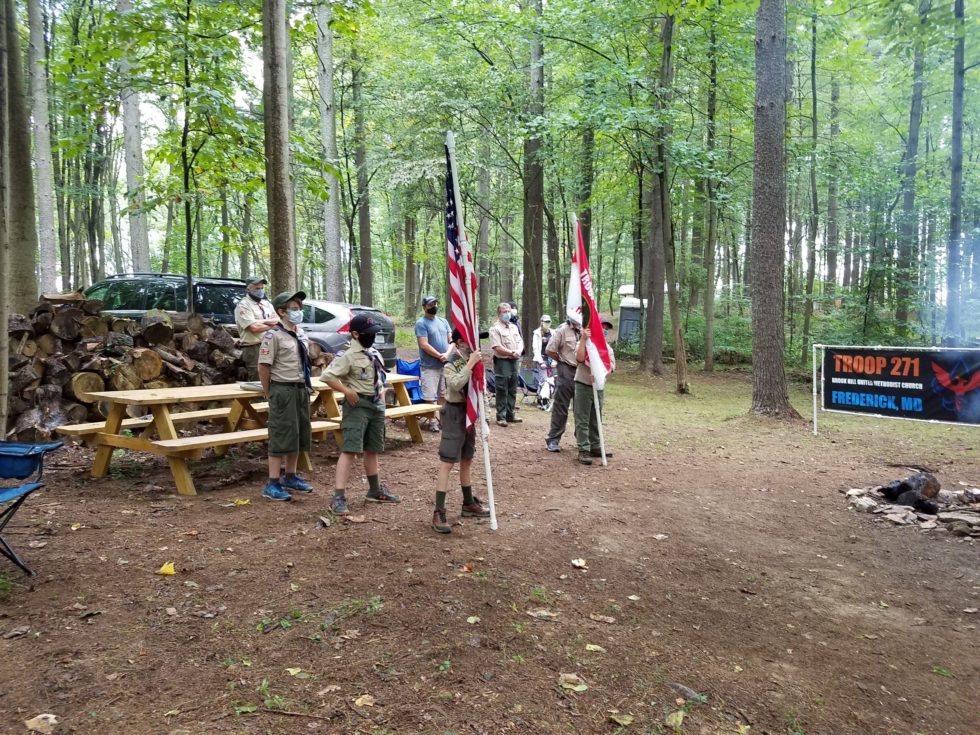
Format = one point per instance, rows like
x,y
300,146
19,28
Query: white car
x,y
328,324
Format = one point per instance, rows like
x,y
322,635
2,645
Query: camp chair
x,y
18,462
403,367
528,384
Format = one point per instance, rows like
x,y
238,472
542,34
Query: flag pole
x,y
468,292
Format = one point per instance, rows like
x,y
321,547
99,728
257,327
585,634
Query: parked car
x,y
133,294
328,324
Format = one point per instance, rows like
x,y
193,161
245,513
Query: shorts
x,y
456,443
363,426
433,384
289,419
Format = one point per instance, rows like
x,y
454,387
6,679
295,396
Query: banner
x,y
581,307
908,383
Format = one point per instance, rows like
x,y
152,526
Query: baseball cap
x,y
457,335
606,323
546,318
363,324
252,280
285,297
429,300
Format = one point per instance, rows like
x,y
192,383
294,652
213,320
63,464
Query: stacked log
x,y
67,349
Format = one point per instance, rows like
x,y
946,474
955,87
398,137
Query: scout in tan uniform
x,y
507,346
359,374
254,316
561,347
457,444
284,369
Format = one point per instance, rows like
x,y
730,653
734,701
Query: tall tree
x,y
139,238
952,327
333,265
833,225
4,209
812,220
710,186
278,186
44,173
483,243
534,175
366,267
21,224
769,392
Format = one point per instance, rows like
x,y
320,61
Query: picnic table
x,y
245,406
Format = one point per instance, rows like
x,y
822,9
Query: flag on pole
x,y
581,308
462,288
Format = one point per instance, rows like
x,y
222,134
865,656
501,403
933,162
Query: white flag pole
x,y
598,418
475,337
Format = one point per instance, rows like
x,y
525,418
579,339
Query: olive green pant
x,y
586,418
505,376
250,356
289,419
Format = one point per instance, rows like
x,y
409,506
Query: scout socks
x,y
338,492
374,485
440,500
467,494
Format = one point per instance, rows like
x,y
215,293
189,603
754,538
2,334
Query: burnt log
x,y
65,323
221,340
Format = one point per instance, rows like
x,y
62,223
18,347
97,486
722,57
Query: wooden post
x,y
103,455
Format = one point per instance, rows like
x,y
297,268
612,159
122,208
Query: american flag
x,y
462,289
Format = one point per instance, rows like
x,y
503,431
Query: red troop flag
x,y
582,309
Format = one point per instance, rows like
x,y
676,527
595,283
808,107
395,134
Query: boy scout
x,y
586,418
507,346
254,315
359,374
284,369
457,444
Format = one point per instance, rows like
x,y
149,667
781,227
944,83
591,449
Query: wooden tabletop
x,y
203,393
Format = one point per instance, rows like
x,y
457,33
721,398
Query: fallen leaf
x,y
37,544
542,614
473,619
171,611
192,584
466,568
16,632
75,527
323,522
675,719
579,564
871,636
298,673
167,569
241,501
601,618
572,682
328,689
634,598
660,537
594,647
624,720
365,700
743,729
43,724
171,713
356,519
970,610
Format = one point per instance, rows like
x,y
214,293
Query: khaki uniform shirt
x,y
457,375
564,342
583,373
354,369
506,336
247,313
282,354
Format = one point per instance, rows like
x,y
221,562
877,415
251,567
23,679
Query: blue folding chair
x,y
19,462
403,367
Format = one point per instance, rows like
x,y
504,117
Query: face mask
x,y
432,310
366,340
258,294
505,316
295,316
513,313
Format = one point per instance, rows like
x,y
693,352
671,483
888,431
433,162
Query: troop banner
x,y
909,383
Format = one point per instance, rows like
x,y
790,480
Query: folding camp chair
x,y
18,462
527,384
403,367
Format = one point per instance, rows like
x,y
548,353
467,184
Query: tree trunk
x,y
483,244
769,391
534,178
696,270
44,172
22,264
333,262
244,266
278,188
833,227
365,266
4,233
506,263
411,270
908,224
139,239
711,245
811,230
588,169
225,235
952,326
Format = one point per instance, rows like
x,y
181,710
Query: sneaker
x,y
435,427
382,496
295,482
476,509
515,420
273,491
338,505
585,458
439,522
553,446
598,453
501,422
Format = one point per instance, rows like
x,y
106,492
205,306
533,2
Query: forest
x,y
303,141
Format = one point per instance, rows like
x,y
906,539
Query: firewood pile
x,y
66,349
920,501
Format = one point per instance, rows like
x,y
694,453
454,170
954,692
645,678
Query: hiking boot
x,y
515,420
338,505
585,458
273,491
598,453
295,482
382,496
439,522
553,446
476,509
501,422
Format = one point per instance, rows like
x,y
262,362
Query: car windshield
x,y
214,299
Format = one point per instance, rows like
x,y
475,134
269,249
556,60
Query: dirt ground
x,y
739,593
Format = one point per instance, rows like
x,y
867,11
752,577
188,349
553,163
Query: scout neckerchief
x,y
304,354
380,375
